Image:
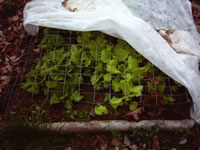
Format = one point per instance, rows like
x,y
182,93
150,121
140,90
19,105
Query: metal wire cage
x,y
90,92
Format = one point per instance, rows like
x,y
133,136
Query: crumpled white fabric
x,y
136,24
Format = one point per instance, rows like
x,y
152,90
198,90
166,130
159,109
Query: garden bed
x,y
156,87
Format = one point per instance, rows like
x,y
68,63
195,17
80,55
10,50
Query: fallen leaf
x,y
6,69
15,28
101,140
134,147
127,141
5,79
102,143
37,50
18,70
21,36
7,58
9,28
12,58
135,114
144,146
94,144
112,148
155,143
29,118
10,37
9,20
1,1
19,12
116,142
68,148
5,82
15,18
103,147
6,43
153,113
1,34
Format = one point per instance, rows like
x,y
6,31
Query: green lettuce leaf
x,y
101,110
116,102
112,67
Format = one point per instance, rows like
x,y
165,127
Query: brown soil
x,y
24,103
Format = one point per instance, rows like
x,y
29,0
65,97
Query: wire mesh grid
x,y
91,93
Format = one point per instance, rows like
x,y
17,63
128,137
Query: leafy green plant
x,y
81,136
37,115
53,75
104,64
118,66
158,86
168,99
73,113
83,116
143,136
58,73
49,40
100,110
117,134
133,105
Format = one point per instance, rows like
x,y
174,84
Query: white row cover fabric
x,y
142,23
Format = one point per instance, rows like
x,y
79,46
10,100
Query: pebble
x,y
182,141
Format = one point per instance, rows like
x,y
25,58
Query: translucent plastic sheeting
x,y
141,25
